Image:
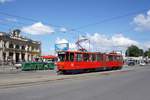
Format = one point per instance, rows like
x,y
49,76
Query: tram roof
x,y
114,54
75,51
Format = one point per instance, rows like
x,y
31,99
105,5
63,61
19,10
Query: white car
x,y
142,64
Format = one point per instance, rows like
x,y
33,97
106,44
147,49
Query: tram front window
x,y
61,57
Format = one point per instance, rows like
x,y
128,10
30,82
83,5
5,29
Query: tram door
x,y
71,57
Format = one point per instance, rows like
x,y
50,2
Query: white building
x,y
15,48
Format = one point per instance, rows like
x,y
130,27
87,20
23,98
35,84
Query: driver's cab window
x,y
61,56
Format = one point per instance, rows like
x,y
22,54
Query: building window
x,y
11,46
4,56
23,47
17,46
32,48
4,44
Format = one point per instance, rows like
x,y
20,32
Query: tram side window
x,y
61,57
115,58
86,57
93,57
107,58
110,57
119,58
79,57
99,57
71,56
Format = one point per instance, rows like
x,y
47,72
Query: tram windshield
x,y
66,56
61,56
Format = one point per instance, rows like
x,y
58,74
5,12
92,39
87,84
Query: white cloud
x,y
6,20
4,1
59,41
38,29
11,19
142,22
145,45
99,39
103,42
63,29
120,40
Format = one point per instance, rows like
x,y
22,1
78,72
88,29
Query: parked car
x,y
142,63
131,63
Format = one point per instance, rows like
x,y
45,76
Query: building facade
x,y
16,48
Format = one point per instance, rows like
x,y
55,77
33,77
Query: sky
x,y
108,24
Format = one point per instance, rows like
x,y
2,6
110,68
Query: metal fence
x,y
8,67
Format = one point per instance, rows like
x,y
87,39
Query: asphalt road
x,y
131,85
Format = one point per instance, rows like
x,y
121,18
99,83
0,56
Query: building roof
x,y
12,36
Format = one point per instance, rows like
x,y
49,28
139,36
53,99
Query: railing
x,y
8,67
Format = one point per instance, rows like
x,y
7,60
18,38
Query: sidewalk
x,y
44,76
28,78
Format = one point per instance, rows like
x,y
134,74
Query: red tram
x,y
79,61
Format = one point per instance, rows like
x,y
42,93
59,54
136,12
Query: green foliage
x,y
147,53
134,51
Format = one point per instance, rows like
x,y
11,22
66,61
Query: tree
x,y
141,52
147,53
134,51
